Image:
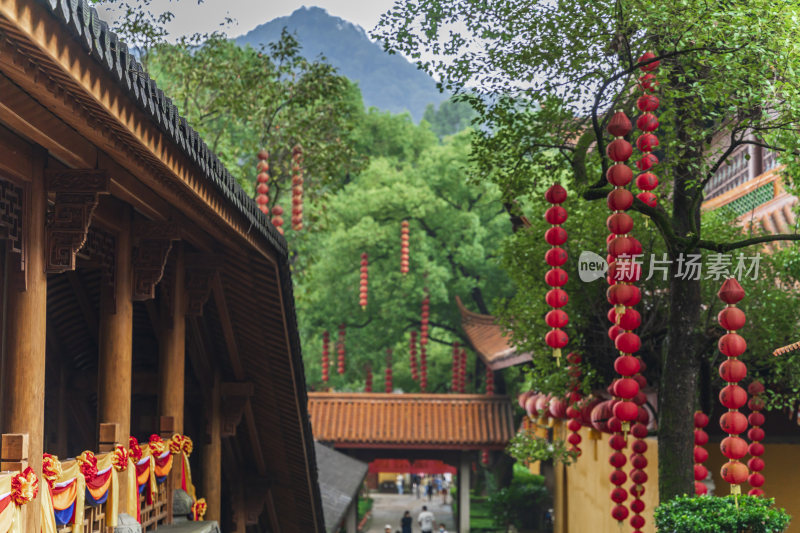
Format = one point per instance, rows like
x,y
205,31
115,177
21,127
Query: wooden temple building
x,y
143,293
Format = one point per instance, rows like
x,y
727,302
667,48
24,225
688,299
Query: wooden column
x,y
173,345
463,492
25,340
114,373
212,456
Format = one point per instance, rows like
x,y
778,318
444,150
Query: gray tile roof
x,y
340,478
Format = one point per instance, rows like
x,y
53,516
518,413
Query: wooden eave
x,y
63,87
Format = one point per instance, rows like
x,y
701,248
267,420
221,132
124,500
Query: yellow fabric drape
x,y
104,461
72,469
187,472
48,513
9,518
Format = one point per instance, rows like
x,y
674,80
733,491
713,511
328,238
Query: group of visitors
x,y
426,522
432,485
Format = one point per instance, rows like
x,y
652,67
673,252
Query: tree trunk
x,y
681,364
677,392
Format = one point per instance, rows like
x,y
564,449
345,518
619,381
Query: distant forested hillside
x,y
388,82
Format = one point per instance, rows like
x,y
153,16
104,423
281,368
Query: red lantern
x,y
404,247
556,298
647,161
556,277
647,103
733,396
412,352
362,300
556,318
619,200
555,256
368,380
556,215
619,175
647,181
619,223
325,355
619,150
297,188
648,58
647,142
556,194
756,434
647,122
340,349
619,125
600,415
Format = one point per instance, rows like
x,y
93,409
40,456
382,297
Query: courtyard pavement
x,y
389,509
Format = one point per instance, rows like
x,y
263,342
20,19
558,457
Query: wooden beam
x,y
198,357
172,351
238,371
85,305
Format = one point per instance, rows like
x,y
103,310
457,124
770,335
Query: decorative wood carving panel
x,y
12,198
153,243
77,193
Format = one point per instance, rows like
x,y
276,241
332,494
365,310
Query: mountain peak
x,y
388,82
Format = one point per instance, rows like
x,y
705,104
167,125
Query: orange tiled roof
x,y
411,421
488,340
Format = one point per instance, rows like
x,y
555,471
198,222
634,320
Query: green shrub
x,y
522,504
711,514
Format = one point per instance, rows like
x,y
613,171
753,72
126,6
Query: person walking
x,y
445,490
429,490
399,484
405,522
426,520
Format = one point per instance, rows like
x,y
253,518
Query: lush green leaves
x,y
728,514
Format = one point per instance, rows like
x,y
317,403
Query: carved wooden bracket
x,y
153,241
235,396
76,195
200,269
12,222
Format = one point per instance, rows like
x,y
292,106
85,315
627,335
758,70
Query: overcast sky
x,y
247,14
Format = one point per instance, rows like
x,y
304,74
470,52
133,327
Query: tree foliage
x,y
455,232
545,78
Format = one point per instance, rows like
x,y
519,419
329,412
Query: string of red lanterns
x,y
732,396
556,277
412,350
404,247
368,380
277,219
574,397
462,375
454,381
622,294
756,435
647,124
489,381
297,188
326,339
700,453
262,182
388,377
362,296
340,349
424,319
423,369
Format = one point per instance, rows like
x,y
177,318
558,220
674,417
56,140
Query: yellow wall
x,y
585,506
582,502
780,473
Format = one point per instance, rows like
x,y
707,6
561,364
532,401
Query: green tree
x,y
545,79
455,231
450,117
241,101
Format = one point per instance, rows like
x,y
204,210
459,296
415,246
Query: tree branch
x,y
726,247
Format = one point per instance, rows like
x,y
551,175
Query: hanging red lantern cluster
x,y
362,294
404,247
732,396
485,457
647,123
326,344
424,319
623,295
574,398
454,381
756,435
297,188
340,349
556,277
463,374
262,182
388,378
412,350
368,380
700,453
277,219
423,369
489,381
